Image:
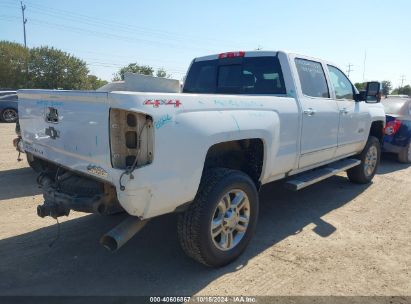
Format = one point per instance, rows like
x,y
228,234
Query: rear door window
x,y
312,78
248,75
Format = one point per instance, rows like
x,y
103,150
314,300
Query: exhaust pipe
x,y
122,233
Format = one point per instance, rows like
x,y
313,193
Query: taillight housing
x,y
231,55
131,137
392,127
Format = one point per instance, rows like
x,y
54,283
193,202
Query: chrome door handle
x,y
344,111
309,112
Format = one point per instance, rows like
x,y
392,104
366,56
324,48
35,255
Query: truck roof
x,y
246,54
252,54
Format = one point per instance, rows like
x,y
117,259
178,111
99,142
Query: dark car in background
x,y
8,106
397,137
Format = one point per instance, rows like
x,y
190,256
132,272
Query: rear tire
x,y
405,155
370,159
219,224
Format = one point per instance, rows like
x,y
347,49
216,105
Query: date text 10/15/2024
x,y
204,299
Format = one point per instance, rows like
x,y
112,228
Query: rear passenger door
x,y
320,114
354,117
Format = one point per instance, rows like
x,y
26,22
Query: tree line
x,y
50,68
43,68
140,69
405,90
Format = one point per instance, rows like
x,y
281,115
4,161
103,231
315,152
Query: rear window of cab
x,y
241,75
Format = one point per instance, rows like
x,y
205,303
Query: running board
x,y
308,178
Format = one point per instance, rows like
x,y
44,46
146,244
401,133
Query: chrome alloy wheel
x,y
370,162
230,220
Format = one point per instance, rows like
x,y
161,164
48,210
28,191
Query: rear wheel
x,y
405,155
219,224
370,158
9,115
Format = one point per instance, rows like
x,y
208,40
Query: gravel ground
x,y
333,238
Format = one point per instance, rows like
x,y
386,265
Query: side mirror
x,y
373,92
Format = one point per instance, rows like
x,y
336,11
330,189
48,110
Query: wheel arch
x,y
377,130
246,155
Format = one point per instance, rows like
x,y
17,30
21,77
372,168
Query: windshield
x,y
241,75
7,96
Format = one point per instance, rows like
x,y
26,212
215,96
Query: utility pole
x,y
363,71
402,80
349,70
23,8
402,83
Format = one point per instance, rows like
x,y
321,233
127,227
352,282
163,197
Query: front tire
x,y
219,224
405,155
370,159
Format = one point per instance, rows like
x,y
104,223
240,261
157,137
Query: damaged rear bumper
x,y
70,191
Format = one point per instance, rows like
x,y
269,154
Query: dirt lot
x,y
334,238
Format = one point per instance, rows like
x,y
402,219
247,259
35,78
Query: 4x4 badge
x,y
158,102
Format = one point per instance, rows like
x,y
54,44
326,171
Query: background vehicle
x,y
397,137
35,163
397,96
8,106
244,119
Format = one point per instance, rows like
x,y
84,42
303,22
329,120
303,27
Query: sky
x,y
169,34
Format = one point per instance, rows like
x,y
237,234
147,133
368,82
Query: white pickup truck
x,y
243,119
